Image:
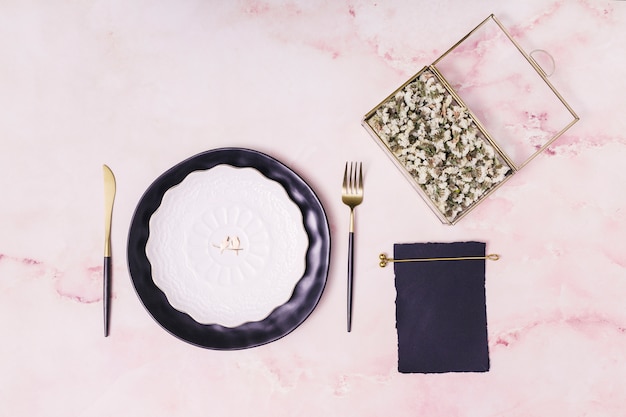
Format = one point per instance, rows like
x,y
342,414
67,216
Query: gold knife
x,y
109,196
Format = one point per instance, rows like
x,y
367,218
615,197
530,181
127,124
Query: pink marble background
x,y
142,85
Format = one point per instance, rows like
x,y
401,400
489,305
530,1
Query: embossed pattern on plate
x,y
227,246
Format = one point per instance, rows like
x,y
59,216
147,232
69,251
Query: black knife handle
x,y
106,293
350,275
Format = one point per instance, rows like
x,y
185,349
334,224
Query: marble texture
x,y
143,85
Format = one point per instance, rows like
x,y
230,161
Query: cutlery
x,y
109,196
352,196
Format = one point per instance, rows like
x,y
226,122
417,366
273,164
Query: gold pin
x,y
384,260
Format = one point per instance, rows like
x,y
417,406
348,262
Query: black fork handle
x,y
350,275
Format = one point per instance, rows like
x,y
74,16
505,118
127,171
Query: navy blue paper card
x,y
441,315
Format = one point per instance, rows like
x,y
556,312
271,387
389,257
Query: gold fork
x,y
352,196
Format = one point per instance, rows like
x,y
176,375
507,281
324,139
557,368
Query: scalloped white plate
x,y
227,246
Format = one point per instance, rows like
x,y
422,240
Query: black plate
x,y
284,318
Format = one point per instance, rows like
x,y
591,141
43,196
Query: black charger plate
x,y
284,318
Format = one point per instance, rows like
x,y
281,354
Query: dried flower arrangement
x,y
439,144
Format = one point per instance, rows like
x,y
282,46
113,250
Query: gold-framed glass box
x,y
462,126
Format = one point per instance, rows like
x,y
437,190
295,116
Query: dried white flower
x,y
439,144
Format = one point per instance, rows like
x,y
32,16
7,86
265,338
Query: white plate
x,y
227,246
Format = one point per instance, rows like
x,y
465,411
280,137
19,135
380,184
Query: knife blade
x,y
109,197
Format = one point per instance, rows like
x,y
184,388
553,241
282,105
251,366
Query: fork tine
x,y
348,176
359,189
350,181
345,179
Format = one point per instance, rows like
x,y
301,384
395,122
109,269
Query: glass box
x,y
462,126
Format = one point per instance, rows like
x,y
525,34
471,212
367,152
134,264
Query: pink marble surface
x,y
142,85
